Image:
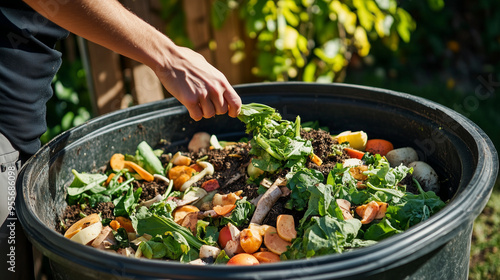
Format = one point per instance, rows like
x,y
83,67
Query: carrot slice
x,y
353,153
141,171
114,224
314,158
223,210
125,223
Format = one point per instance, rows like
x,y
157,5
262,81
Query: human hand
x,y
199,86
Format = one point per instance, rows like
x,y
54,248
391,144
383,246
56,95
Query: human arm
x,y
184,73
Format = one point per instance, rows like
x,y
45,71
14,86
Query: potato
x,y
285,226
274,242
426,176
400,156
200,140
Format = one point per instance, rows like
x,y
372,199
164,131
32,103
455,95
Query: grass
x,y
485,256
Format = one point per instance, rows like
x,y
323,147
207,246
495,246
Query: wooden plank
x,y
107,78
228,34
146,87
198,26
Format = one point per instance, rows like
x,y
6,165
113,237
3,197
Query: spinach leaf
x,y
299,183
325,235
125,205
84,182
207,233
381,230
241,214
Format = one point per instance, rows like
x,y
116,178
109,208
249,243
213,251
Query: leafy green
x,y
125,205
153,224
381,230
207,233
325,235
84,182
121,238
241,214
299,183
414,209
276,142
321,202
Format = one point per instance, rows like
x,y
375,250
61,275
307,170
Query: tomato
x,y
224,236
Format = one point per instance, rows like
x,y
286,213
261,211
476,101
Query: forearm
x,y
111,25
185,74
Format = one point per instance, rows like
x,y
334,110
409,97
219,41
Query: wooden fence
x,y
117,82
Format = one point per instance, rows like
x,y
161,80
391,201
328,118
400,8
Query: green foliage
x,y
314,40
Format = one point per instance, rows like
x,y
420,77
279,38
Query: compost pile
x,y
292,191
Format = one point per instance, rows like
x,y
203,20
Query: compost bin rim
x,y
381,253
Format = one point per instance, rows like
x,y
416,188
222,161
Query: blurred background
x,y
445,51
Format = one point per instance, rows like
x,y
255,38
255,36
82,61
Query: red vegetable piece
x,y
353,153
210,185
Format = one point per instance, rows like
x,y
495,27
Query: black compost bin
x,y
438,248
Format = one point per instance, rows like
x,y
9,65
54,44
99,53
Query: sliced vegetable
x,y
354,153
87,234
181,212
210,185
266,257
378,146
224,210
150,160
357,140
274,242
81,224
367,212
285,226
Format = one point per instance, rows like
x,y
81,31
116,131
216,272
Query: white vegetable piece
x,y
425,175
128,252
231,248
352,162
215,142
197,262
207,251
150,202
88,234
400,156
105,238
208,169
193,195
267,201
200,140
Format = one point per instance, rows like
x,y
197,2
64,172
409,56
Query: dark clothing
x,y
28,63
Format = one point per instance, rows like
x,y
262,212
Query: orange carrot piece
x,y
125,223
353,153
114,224
141,171
314,158
109,178
379,146
223,210
117,162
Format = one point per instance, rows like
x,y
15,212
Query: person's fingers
x,y
206,106
218,101
194,109
233,101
